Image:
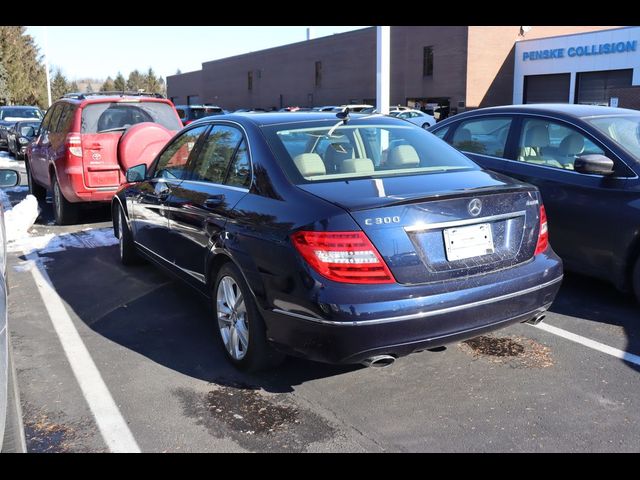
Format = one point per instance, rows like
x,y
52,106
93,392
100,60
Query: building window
x,y
427,62
250,80
318,73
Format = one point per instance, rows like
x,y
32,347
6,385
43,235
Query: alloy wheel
x,y
232,318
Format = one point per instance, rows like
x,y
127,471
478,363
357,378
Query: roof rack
x,y
82,96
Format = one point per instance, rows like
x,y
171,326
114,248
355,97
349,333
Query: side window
x,y
53,126
215,155
441,133
66,118
46,123
487,136
173,161
553,144
240,169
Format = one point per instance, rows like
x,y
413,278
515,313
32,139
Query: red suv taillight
x,y
543,235
74,144
347,257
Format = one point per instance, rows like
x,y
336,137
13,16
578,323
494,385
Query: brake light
x,y
74,144
347,257
543,235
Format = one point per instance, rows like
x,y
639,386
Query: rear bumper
x,y
406,325
75,189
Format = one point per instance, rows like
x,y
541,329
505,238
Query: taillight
x,y
347,257
543,235
74,144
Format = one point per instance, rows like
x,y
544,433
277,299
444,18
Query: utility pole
x,y
383,55
46,65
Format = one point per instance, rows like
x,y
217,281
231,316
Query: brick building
x,y
454,66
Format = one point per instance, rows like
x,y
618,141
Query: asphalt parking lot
x,y
153,344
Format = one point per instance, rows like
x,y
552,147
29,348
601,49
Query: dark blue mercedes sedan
x,y
585,160
342,239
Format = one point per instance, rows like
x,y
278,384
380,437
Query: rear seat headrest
x,y
403,156
310,164
357,165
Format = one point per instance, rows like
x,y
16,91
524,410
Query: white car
x,y
414,116
356,108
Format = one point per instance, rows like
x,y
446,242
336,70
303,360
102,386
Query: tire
x,y
36,190
128,253
254,353
635,279
426,125
65,212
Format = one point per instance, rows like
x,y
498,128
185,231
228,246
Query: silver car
x,y
11,428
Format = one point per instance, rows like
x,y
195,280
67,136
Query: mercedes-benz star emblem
x,y
475,207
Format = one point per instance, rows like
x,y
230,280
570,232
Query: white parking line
x,y
601,347
112,425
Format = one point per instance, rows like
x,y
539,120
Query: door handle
x,y
215,201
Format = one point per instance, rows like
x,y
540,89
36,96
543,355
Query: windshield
x,y
624,130
360,149
101,117
18,113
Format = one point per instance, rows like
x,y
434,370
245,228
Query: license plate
x,y
467,242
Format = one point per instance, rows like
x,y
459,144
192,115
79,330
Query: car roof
x,y
279,118
568,109
87,99
197,106
21,107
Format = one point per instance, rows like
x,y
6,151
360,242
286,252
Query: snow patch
x,y
50,243
21,218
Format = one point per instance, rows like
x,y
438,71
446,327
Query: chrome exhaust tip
x,y
536,319
379,361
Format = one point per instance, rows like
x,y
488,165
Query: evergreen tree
x,y
4,87
89,88
25,76
163,87
73,87
152,83
59,85
119,84
136,81
178,72
108,85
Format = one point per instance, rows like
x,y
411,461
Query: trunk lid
x,y
490,221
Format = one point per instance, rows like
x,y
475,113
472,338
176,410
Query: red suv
x,y
87,141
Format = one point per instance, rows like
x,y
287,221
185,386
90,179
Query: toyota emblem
x,y
475,207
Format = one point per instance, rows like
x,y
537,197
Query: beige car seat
x,y
536,138
571,146
403,156
310,164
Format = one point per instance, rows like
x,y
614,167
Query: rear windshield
x,y
19,113
104,117
360,149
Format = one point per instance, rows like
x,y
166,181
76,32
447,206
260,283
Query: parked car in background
x,y
250,110
327,108
11,114
190,113
19,135
87,141
414,116
314,236
586,162
356,107
11,428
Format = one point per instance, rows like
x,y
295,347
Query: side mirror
x,y
594,164
137,173
9,178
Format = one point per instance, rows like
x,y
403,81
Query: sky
x,y
101,51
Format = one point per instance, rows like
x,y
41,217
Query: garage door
x,y
547,88
593,87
